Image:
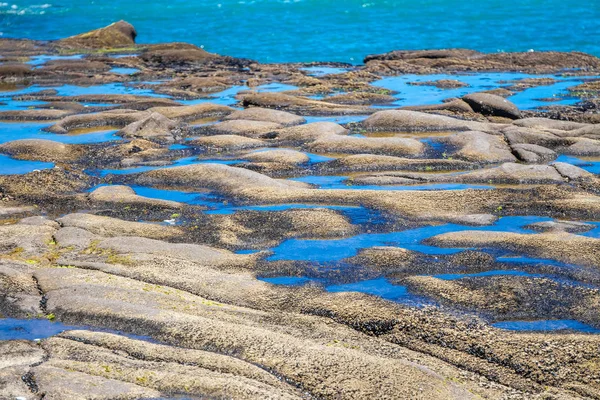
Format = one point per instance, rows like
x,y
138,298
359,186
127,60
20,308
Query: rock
x,y
75,238
243,128
192,87
111,227
39,221
42,150
489,104
194,112
453,60
67,384
360,98
582,147
125,195
268,115
561,226
19,295
33,115
455,106
14,71
532,153
516,136
394,146
479,147
153,127
513,173
280,101
572,172
227,142
589,131
260,229
74,67
173,54
309,132
8,211
26,240
559,246
547,123
283,156
118,34
218,177
414,121
441,83
107,119
371,162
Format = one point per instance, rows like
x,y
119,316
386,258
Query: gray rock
x,y
534,154
490,104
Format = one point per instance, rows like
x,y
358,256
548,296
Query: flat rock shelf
x,y
180,224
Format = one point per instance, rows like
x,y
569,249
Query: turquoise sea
x,y
322,30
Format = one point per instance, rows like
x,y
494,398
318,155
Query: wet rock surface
x,y
213,227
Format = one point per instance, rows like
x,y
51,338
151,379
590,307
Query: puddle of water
x,y
10,131
339,119
124,71
526,99
378,287
330,250
342,182
318,71
31,329
135,170
286,280
590,165
547,325
192,198
72,90
12,166
452,277
43,59
178,147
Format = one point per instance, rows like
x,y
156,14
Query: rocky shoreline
x,y
170,188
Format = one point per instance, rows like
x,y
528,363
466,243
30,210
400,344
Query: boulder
x,y
118,34
310,132
561,226
194,112
173,54
534,154
490,104
414,121
153,127
42,150
268,115
281,101
479,147
227,142
282,156
243,128
118,194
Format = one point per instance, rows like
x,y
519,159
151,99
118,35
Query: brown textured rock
x,y
489,104
118,34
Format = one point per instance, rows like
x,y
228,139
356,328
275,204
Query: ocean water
x,y
321,30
